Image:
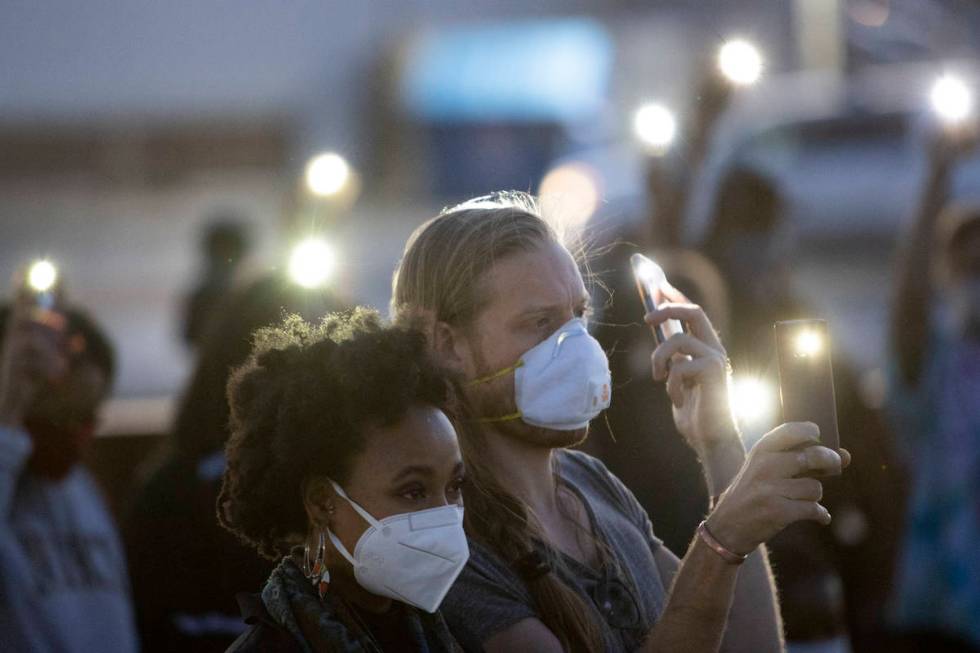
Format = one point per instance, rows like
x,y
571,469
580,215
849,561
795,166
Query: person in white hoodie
x,y
63,579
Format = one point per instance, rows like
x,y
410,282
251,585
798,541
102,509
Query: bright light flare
x,y
312,263
42,276
951,99
808,343
327,174
648,270
655,126
570,194
753,400
740,61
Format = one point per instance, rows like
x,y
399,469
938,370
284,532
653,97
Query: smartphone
x,y
650,279
806,376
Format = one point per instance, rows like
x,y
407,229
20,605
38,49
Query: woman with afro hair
x,y
343,462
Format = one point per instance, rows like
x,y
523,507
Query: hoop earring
x,y
317,573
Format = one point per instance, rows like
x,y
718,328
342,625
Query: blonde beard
x,y
537,436
493,400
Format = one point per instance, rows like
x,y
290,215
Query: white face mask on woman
x,y
562,383
413,557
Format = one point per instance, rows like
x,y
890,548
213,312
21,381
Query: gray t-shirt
x,y
489,596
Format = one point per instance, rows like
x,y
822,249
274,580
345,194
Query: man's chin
x,y
549,438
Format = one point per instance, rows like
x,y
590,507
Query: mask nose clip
x,y
576,329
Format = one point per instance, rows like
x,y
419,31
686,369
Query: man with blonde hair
x,y
562,555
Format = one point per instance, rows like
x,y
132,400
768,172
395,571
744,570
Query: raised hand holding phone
x,y
33,352
689,357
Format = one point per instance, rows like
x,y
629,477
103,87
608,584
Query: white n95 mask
x,y
561,383
413,557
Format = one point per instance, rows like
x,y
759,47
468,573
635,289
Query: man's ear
x,y
450,348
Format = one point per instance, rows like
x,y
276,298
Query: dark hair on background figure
x,y
300,408
747,201
225,239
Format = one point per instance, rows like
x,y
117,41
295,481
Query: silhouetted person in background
x,y
935,401
63,580
223,246
832,581
186,569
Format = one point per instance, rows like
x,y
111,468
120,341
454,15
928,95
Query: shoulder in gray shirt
x,y
628,593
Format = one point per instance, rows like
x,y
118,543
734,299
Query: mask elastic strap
x,y
496,375
505,418
361,511
337,544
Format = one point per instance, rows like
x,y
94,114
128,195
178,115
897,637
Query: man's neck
x,y
527,472
524,470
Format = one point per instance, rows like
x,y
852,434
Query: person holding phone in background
x,y
344,464
935,403
563,558
63,580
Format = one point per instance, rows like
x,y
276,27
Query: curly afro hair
x,y
300,408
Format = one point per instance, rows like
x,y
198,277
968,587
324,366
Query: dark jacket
x,y
184,567
263,633
289,604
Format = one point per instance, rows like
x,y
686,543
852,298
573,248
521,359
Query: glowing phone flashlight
x,y
951,99
650,281
806,376
740,61
41,281
312,263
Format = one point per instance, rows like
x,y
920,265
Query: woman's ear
x,y
320,501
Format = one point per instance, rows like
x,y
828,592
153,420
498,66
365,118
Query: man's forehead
x,y
543,277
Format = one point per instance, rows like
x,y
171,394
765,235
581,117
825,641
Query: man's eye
x,y
585,313
454,493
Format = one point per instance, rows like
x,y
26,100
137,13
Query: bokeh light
x,y
327,174
312,263
655,126
569,195
869,13
42,275
951,99
753,400
740,62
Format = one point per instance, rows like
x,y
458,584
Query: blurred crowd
x,y
898,569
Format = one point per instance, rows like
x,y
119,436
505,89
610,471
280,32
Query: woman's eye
x,y
414,494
